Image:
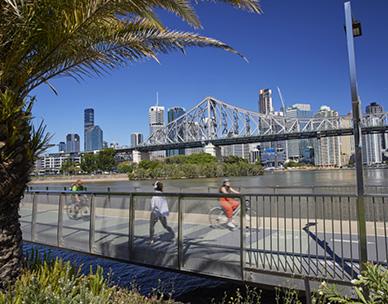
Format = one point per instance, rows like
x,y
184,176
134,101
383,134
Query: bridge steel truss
x,y
217,122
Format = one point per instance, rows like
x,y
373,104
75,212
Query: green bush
x,y
374,280
57,282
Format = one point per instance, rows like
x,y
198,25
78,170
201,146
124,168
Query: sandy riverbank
x,y
73,178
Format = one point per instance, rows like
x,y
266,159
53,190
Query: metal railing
x,y
313,237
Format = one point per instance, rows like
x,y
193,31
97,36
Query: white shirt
x,y
159,204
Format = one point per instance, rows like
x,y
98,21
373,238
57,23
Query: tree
x,y
69,167
43,39
106,159
88,163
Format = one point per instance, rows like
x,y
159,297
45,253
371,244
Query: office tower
x,y
374,108
93,135
94,138
373,145
72,143
136,139
296,147
88,118
62,146
265,101
327,149
172,114
156,118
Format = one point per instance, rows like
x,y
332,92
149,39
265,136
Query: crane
x,y
282,101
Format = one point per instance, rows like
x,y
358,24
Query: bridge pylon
x,y
138,156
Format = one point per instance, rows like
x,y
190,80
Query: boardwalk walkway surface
x,y
318,246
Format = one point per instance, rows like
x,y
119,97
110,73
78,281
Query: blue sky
x,y
297,45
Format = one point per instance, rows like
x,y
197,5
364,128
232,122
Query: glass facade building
x,y
172,114
72,143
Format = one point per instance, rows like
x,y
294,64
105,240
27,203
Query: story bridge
x,y
216,122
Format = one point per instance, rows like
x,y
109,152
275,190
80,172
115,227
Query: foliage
x,y
125,167
69,167
232,159
106,159
374,280
196,158
88,163
193,166
294,164
58,282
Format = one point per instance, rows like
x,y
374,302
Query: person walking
x,y
159,212
228,204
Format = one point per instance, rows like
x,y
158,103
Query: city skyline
x,y
309,65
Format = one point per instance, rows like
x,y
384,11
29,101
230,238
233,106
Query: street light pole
x,y
352,31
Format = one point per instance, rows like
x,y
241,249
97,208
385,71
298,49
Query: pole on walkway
x,y
357,133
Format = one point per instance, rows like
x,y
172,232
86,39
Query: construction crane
x,y
284,114
282,101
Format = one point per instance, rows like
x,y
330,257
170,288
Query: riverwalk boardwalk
x,y
313,237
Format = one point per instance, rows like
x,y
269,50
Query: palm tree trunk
x,y
16,161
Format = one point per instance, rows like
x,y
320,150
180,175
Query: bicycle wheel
x,y
73,212
217,217
85,212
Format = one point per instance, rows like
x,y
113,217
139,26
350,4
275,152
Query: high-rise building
x,y
136,139
156,118
373,145
296,147
374,108
94,138
72,143
172,114
62,146
265,101
93,135
327,149
88,118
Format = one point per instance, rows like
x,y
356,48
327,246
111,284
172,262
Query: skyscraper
x,y
136,139
94,138
374,108
156,118
296,147
373,144
172,114
62,146
265,101
93,135
72,143
327,149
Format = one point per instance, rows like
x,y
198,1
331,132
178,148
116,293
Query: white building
x,y
372,145
52,163
327,149
265,101
156,118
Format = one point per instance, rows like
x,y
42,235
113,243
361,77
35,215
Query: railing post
x,y
92,224
60,222
307,290
361,224
180,233
33,217
242,236
131,219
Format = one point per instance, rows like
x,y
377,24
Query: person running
x,y
228,204
159,212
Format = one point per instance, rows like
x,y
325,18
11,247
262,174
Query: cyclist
x,y
77,186
228,204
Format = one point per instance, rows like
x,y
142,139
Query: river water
x,y
291,179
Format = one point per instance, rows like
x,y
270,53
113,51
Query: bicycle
x,y
77,210
218,218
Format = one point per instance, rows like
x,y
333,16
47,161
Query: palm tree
x,y
43,39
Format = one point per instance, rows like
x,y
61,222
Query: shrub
x,y
57,282
374,280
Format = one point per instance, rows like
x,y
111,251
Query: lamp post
x,y
353,29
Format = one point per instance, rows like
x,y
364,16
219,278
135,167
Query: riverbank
x,y
60,179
